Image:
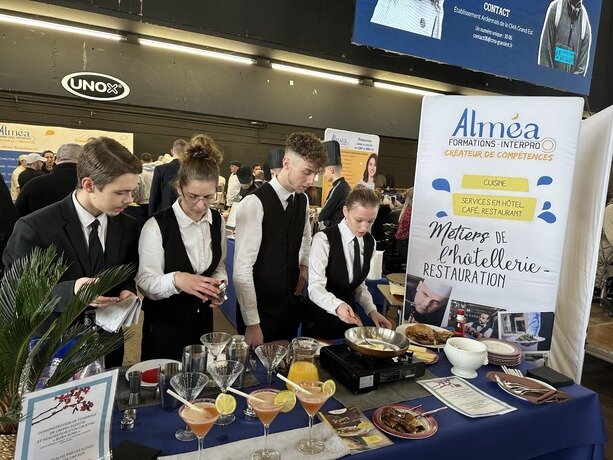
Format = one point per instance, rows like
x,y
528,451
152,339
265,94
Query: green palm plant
x,y
26,305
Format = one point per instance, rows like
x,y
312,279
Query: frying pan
x,y
356,335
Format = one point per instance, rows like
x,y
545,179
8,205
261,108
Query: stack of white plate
x,y
502,352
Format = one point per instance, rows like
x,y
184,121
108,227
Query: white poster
x,y
492,189
69,421
359,155
17,139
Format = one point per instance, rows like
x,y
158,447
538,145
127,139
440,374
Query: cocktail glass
x,y
270,355
311,402
215,342
225,373
266,412
188,385
200,422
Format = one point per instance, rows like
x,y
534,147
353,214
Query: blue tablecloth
x,y
229,306
571,430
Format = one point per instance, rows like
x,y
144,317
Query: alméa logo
x,y
95,86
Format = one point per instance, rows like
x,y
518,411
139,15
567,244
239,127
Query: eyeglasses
x,y
193,199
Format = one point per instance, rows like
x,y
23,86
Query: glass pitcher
x,y
302,352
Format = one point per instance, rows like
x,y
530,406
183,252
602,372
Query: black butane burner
x,y
361,374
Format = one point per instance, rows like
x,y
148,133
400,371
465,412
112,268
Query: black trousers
x,y
276,327
115,357
166,333
319,324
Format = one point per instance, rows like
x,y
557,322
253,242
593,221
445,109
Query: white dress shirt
x,y
318,261
14,184
196,236
249,218
86,220
234,188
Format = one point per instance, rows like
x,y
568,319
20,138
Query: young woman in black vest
x,y
336,275
182,253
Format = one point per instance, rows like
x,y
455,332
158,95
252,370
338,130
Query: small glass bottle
x,y
459,323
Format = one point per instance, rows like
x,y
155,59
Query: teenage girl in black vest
x,y
182,252
336,276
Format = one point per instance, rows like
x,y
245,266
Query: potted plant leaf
x,y
26,305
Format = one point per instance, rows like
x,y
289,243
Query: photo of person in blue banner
x,y
566,37
423,17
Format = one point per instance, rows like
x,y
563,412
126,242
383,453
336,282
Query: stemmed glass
x,y
200,421
266,412
188,385
311,401
225,373
270,355
215,342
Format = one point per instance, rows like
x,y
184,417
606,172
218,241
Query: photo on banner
x,y
491,200
547,42
359,156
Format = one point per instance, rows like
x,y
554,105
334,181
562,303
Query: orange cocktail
x,y
266,411
312,396
200,421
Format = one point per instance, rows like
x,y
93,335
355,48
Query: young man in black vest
x,y
273,237
88,227
338,265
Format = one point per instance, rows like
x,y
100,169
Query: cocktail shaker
x,y
238,350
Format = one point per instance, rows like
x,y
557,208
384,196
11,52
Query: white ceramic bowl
x,y
466,356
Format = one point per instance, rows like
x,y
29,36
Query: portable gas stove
x,y
360,373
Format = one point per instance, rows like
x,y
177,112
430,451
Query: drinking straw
x,y
295,385
245,395
184,401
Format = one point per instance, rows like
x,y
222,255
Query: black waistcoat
x,y
336,271
176,259
276,271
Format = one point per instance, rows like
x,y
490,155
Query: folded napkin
x,y
123,313
536,398
283,442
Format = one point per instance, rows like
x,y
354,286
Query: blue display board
x,y
547,42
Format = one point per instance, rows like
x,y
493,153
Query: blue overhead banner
x,y
546,42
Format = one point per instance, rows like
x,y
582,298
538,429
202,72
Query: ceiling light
x,y
60,27
405,89
315,73
196,51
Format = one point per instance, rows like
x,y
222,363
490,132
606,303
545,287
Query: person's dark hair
x,y
103,160
363,196
267,173
201,161
376,157
309,148
245,175
146,157
255,165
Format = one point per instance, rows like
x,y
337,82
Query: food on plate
x,y
526,338
421,333
402,422
422,354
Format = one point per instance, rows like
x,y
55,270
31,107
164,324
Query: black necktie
x,y
357,269
96,254
290,205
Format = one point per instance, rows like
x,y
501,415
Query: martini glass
x,y
266,412
311,402
215,342
270,355
225,373
188,385
200,421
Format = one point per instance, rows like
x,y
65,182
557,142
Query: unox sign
x,y
96,86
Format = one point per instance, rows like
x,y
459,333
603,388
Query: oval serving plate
x,y
543,384
428,421
439,346
500,347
